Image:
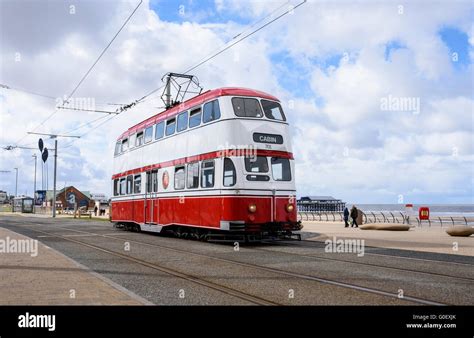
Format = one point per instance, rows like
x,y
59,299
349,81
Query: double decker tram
x,y
217,166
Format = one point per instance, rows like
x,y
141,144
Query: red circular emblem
x,y
165,179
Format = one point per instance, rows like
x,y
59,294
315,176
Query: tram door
x,y
150,196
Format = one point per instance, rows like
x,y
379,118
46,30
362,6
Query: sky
x,y
379,95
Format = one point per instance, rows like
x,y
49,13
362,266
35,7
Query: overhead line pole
x,y
55,137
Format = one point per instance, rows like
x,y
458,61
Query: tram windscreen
x,y
273,110
281,169
257,164
245,107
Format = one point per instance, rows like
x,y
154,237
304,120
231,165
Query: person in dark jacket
x,y
346,217
354,214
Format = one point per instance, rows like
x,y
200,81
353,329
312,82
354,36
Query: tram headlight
x,y
252,207
290,207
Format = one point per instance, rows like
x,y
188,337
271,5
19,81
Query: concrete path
x,y
47,277
426,239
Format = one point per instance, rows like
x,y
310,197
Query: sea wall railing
x,y
387,217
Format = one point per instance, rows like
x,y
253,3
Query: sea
x,y
435,209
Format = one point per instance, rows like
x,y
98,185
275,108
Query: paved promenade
x,y
47,277
425,239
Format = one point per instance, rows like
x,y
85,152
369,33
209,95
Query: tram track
x,y
319,245
244,264
190,278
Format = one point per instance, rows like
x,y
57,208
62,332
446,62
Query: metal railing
x,y
387,217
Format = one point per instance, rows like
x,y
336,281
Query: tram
x,y
218,164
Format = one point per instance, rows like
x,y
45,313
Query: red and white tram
x,y
218,163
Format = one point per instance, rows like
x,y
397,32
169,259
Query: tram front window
x,y
257,164
273,110
281,169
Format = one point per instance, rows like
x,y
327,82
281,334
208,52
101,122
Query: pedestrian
x,y
346,217
354,214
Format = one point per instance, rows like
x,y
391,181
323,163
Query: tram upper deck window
x,y
245,107
179,178
257,164
159,130
207,174
230,176
139,139
273,110
170,126
148,134
212,111
182,121
195,117
281,169
118,146
124,144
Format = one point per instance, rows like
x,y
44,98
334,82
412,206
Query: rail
x,y
387,217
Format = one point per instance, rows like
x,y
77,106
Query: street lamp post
x,y
34,186
16,183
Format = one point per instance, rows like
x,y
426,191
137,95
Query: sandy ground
x,y
427,239
50,278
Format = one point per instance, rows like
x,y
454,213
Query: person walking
x,y
354,214
346,217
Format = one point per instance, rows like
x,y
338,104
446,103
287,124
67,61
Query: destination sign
x,y
267,138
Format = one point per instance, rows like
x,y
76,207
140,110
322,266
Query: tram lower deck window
x,y
193,175
207,174
230,175
179,178
137,184
123,189
129,184
116,187
257,164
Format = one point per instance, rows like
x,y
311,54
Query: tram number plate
x,y
267,138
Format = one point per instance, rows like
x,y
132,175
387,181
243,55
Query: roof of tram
x,y
197,100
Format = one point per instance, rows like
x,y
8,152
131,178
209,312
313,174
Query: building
x,y
66,198
320,204
3,197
